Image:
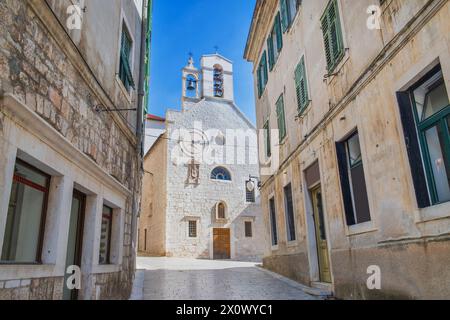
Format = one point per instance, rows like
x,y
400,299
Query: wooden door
x,y
222,244
321,236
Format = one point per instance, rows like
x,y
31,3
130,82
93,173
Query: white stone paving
x,y
190,279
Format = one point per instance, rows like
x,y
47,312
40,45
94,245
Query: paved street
x,y
189,279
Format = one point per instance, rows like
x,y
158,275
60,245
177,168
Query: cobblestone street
x,y
189,279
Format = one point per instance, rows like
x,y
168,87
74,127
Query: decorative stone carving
x,y
193,172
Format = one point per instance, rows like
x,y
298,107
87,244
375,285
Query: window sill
x,y
303,112
337,69
290,28
274,248
124,91
283,141
291,244
436,212
221,181
106,268
362,228
29,271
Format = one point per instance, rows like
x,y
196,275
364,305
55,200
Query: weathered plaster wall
x,y
154,201
409,245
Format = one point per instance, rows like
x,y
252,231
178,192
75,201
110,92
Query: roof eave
x,y
251,34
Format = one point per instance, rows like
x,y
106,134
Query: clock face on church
x,y
194,143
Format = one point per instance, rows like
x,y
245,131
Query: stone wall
x,y
43,74
32,289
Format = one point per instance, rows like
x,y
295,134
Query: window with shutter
x,y
288,9
125,72
273,222
431,111
265,72
289,212
262,74
284,14
267,139
271,53
275,42
281,118
353,183
278,32
332,35
301,86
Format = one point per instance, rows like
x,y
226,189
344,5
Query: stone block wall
x,y
39,71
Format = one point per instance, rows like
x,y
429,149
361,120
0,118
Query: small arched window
x,y
221,210
221,173
218,81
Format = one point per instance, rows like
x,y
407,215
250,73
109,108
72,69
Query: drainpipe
x,y
140,116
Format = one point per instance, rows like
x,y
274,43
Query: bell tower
x,y
217,77
191,84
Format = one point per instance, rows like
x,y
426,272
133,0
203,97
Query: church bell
x,y
191,84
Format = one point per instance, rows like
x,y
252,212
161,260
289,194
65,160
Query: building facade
x,y
356,91
193,207
154,127
70,177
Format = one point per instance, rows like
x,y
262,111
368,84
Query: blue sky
x,y
197,26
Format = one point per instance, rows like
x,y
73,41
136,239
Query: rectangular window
x,y
275,42
425,111
25,222
353,182
262,74
192,229
105,236
248,229
301,86
267,139
288,10
332,35
145,239
281,117
273,222
125,72
289,212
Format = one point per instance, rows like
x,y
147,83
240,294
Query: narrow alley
x,y
191,279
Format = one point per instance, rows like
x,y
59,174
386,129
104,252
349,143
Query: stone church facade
x,y
192,208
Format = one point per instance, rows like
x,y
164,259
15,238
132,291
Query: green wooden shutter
x,y
284,14
281,118
332,35
262,74
279,33
326,39
258,75
271,53
267,139
125,72
265,72
301,86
